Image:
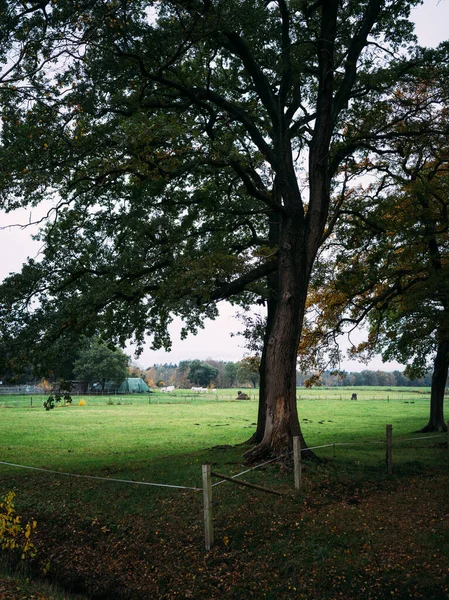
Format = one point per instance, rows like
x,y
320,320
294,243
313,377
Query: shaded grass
x,y
16,585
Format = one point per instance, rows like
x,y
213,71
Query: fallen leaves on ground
x,y
377,541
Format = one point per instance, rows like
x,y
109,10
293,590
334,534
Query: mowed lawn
x,y
129,435
352,532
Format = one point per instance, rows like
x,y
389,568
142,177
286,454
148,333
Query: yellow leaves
x,y
46,568
11,530
313,380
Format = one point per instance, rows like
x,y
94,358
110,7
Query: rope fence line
x,y
273,460
183,487
253,468
207,473
427,437
291,452
297,459
166,485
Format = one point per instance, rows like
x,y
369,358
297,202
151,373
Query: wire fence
x,y
79,476
207,473
252,468
329,445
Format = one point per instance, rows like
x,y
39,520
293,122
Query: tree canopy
x,y
202,373
387,264
248,369
198,150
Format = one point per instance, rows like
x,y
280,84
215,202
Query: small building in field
x,y
79,387
133,385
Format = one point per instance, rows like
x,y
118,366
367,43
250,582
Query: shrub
x,y
50,403
14,536
60,394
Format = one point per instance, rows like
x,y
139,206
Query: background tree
x,y
99,363
151,376
202,373
389,268
230,374
198,156
248,370
182,372
219,365
136,371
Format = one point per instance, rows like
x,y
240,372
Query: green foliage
x,y
230,373
14,536
180,130
202,373
99,363
248,370
61,393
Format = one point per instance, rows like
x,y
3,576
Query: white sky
x,y
214,341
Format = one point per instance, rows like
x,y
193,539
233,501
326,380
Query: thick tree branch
x,y
239,47
240,284
359,41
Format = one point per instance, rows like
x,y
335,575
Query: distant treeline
x,y
240,374
220,374
370,378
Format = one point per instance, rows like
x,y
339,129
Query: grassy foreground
x,y
352,532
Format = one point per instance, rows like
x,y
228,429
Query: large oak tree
x,y
197,149
386,266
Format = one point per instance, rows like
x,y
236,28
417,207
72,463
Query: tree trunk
x,y
257,437
300,235
279,373
272,297
439,377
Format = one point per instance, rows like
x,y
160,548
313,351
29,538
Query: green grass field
x,y
165,439
128,432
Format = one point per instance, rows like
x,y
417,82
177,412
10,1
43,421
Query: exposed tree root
x,y
254,439
430,428
265,452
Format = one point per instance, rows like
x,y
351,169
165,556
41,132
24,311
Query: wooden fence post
x,y
297,461
389,438
208,517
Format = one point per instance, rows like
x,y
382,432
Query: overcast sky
x,y
215,340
